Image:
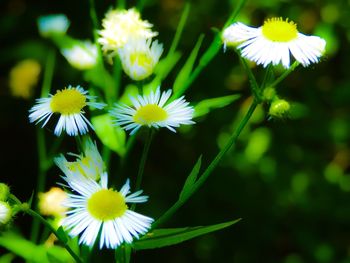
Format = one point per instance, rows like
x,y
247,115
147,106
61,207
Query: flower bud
x,y
269,94
56,24
4,192
5,213
279,108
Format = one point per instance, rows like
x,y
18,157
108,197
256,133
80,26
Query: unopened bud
x,y
279,108
269,94
4,192
5,213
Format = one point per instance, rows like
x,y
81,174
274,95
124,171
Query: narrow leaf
x,y
166,237
191,179
112,136
62,234
186,70
205,106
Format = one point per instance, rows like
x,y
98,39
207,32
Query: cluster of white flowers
x,y
125,34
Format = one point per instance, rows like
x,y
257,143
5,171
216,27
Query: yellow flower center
x,y
106,204
149,114
142,59
68,101
275,29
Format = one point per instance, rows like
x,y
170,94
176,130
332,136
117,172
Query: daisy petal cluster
x,y
139,57
153,111
89,164
119,26
273,42
81,56
95,207
69,104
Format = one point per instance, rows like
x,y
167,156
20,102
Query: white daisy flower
x,y
139,57
95,208
81,56
53,24
273,42
5,213
69,103
89,164
119,26
151,111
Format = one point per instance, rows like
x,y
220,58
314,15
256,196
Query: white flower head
x,y
53,24
119,26
5,213
152,111
88,164
139,57
81,56
273,42
95,208
69,104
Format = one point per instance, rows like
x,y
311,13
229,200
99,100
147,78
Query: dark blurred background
x,y
288,179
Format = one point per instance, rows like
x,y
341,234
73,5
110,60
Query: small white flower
x,y
152,111
53,24
119,26
81,56
274,42
5,213
69,103
89,164
94,206
139,57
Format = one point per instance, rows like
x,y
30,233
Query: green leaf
x,y
191,179
62,234
123,253
112,136
131,90
7,258
30,251
187,68
166,237
99,77
179,29
205,106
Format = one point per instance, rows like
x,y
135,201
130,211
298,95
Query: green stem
x,y
121,4
253,83
285,74
49,226
26,209
41,144
94,19
179,29
144,159
211,166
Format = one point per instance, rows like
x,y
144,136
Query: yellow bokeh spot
x,y
68,101
24,77
50,203
149,114
106,204
275,29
